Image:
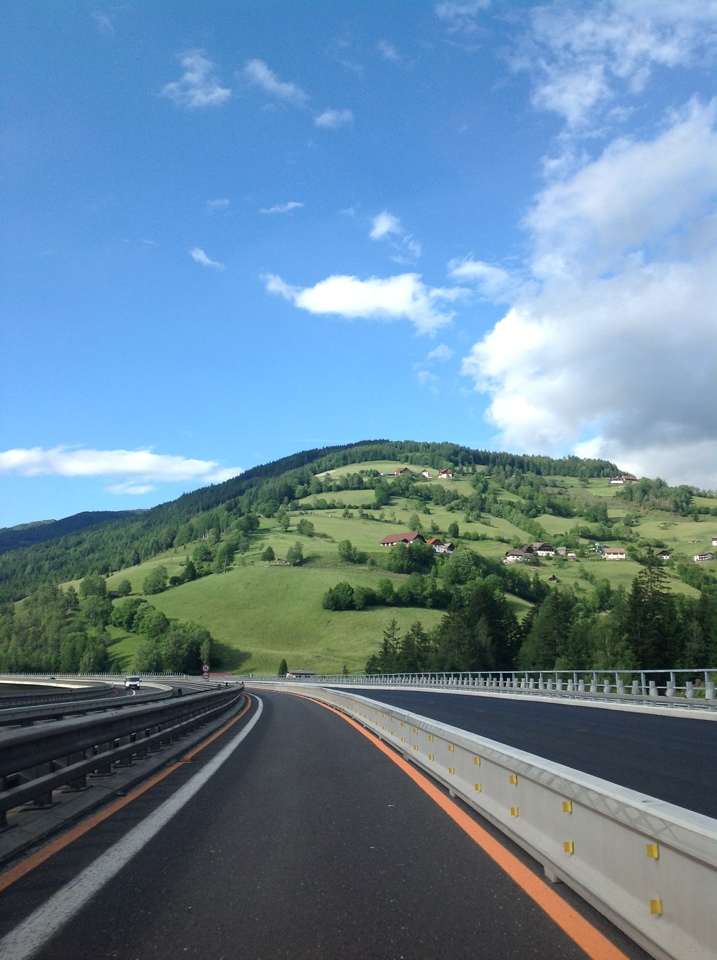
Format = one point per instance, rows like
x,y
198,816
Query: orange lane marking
x,y
590,940
8,877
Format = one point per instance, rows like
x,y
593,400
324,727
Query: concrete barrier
x,y
649,866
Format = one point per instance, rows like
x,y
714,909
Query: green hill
x,y
210,549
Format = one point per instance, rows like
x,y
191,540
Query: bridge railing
x,y
649,866
670,685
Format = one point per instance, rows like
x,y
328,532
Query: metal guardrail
x,y
84,691
34,762
649,866
26,716
696,690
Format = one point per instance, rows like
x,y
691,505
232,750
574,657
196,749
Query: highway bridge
x,y
292,831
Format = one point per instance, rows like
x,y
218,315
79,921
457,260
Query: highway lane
x,y
308,842
667,757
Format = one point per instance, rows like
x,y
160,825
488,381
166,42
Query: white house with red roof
x,y
439,546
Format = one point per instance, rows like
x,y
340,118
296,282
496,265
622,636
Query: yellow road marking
x,y
580,930
8,877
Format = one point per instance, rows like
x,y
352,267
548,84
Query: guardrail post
x,y
709,690
654,692
581,686
620,685
594,684
606,687
671,690
689,689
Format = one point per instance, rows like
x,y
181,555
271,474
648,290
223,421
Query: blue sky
x,y
236,230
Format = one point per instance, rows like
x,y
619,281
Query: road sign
x,y
205,675
205,668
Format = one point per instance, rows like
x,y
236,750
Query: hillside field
x,y
260,613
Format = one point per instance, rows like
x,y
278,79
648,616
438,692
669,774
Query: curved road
x,y
668,757
309,841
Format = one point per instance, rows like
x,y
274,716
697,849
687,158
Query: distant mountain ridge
x,y
40,531
124,540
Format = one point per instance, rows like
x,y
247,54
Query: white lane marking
x,y
34,932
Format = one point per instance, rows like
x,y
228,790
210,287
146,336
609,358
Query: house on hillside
x,y
446,475
406,538
427,474
714,541
514,556
439,546
553,579
403,471
561,551
622,479
540,549
703,557
663,554
614,553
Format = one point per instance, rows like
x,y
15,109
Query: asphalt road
x,y
307,842
667,757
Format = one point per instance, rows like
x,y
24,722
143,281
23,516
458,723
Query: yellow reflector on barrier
x,y
568,846
451,769
476,761
451,748
656,907
567,806
478,787
430,756
514,811
514,778
653,851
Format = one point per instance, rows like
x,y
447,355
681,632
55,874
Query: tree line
x,y
644,628
59,630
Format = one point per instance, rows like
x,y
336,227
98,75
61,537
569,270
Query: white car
x,y
131,683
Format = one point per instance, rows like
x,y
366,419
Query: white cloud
x,y
583,57
388,51
406,249
198,86
461,15
494,282
403,297
283,207
442,352
199,256
260,75
104,22
333,119
612,346
383,224
140,468
217,206
133,489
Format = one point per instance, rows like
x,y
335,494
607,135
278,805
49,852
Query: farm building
x,y
408,538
